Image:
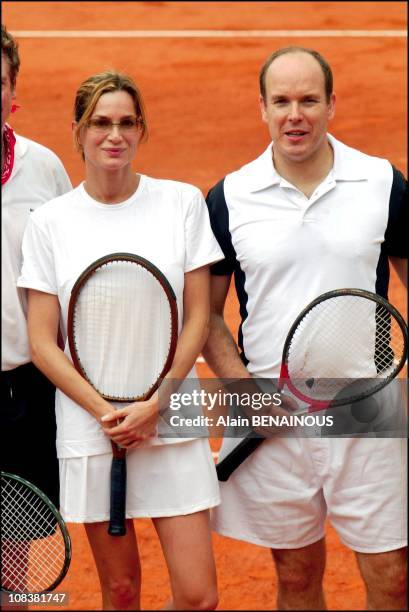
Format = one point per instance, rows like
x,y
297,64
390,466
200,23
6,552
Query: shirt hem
x,y
268,544
153,513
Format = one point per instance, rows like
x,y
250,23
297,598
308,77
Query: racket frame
x,y
61,524
322,404
251,442
170,294
118,470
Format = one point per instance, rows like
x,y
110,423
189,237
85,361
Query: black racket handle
x,y
118,497
243,450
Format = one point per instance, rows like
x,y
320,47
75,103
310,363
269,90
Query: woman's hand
x,y
130,426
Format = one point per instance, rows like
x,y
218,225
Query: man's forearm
x,y
401,268
221,353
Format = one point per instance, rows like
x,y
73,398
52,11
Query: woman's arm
x,y
196,313
43,321
140,418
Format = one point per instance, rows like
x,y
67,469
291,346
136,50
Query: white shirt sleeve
x,y
38,270
61,178
202,247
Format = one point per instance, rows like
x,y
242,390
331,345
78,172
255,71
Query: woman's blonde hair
x,y
94,87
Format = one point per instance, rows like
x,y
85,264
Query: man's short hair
x,y
9,49
325,67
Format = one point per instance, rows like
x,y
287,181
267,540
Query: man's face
x,y
296,109
7,91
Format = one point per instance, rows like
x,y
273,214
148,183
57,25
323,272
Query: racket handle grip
x,y
118,497
232,461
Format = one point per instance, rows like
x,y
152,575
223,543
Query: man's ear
x,y
263,109
331,106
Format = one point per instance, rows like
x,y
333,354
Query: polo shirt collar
x,y
348,166
262,173
20,149
21,146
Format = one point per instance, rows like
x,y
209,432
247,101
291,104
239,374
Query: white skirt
x,y
165,480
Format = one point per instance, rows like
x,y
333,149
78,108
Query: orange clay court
x,y
201,94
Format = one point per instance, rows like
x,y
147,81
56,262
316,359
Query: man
x,y
31,175
307,216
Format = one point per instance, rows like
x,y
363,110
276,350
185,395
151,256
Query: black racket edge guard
x,y
250,443
61,523
117,525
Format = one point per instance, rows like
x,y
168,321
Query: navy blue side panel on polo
x,y
395,244
219,220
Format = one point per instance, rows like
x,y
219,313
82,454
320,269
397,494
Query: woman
x,y
114,210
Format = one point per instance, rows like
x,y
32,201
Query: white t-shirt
x,y
164,221
37,176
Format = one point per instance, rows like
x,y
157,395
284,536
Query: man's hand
x,y
259,398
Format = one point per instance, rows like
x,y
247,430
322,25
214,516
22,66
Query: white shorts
x,y
282,494
165,480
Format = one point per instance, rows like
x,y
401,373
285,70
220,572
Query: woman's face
x,y
107,146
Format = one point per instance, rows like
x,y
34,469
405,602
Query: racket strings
x,y
122,329
33,547
341,342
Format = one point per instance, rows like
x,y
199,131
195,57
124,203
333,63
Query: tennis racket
x,y
343,347
35,543
122,334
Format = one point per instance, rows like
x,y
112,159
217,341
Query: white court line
x,y
209,33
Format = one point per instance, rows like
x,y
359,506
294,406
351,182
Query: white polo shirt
x,y
38,176
286,249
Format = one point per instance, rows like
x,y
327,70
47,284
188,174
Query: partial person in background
x,y
31,175
309,215
171,481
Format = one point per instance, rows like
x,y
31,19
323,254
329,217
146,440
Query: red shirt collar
x,y
9,142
